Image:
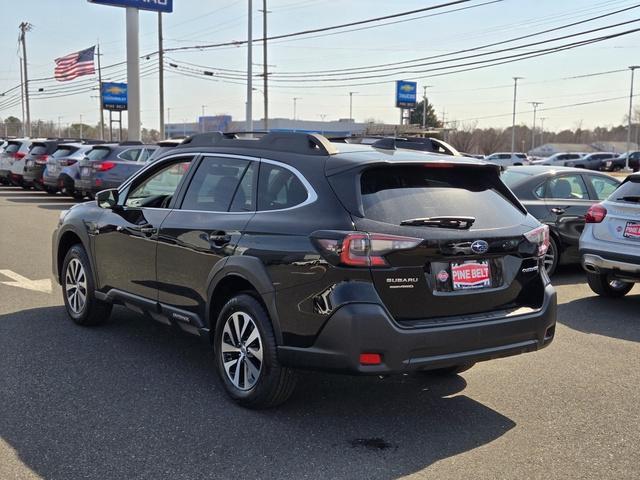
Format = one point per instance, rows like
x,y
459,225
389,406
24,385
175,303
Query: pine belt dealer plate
x,y
469,275
632,230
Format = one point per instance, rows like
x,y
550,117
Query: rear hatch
x,y
621,221
61,158
12,151
453,242
94,161
39,153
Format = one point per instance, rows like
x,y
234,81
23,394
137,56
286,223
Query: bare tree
x,y
489,140
462,137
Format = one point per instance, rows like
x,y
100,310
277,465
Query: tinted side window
x,y
157,189
214,184
570,187
279,188
132,154
98,153
603,186
244,199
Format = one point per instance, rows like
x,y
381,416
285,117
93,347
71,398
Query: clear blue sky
x,y
65,26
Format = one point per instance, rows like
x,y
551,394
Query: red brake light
x,y
539,236
42,159
370,359
359,249
439,165
595,214
104,166
19,155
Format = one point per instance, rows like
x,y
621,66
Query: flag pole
x,y
100,94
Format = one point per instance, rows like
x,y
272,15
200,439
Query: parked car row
x,y
77,168
605,161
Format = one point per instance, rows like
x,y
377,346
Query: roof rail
x,y
130,142
90,141
293,142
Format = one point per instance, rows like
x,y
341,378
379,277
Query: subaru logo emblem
x,y
480,246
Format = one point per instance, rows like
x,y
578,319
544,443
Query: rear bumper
x,y
5,174
33,175
619,266
367,328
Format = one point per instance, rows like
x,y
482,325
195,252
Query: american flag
x,y
75,65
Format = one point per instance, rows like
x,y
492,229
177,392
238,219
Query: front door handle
x,y
558,210
219,239
148,230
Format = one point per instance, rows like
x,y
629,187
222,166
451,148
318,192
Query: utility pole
x,y
100,95
535,106
24,28
351,106
202,119
249,109
542,119
513,123
633,69
424,106
161,75
133,72
265,67
80,126
22,97
59,127
295,105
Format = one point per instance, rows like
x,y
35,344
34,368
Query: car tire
x,y
26,187
258,379
453,370
51,191
552,257
78,290
77,195
604,286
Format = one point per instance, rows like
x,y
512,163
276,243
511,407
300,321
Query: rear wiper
x,y
630,198
460,223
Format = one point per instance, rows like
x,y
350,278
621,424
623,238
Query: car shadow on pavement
x,y
47,199
569,275
133,399
612,317
55,206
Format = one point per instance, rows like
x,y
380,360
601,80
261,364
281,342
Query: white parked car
x,y
610,242
506,159
560,159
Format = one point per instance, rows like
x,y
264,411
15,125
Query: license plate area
x,y
632,230
470,275
85,171
441,275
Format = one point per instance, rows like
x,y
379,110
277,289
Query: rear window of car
x,y
38,149
64,152
98,153
394,194
629,191
12,147
512,177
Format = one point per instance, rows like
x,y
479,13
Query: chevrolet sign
x,y
406,94
165,6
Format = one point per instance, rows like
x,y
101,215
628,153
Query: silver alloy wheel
x,y
549,258
241,350
75,285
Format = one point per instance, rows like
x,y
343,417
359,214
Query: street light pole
x,y
424,106
249,110
161,75
542,119
351,106
533,130
295,105
633,69
265,67
513,123
133,72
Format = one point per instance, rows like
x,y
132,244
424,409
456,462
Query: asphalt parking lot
x,y
135,399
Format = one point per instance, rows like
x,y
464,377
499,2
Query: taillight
x,y
539,236
359,249
66,163
19,155
595,214
42,159
104,166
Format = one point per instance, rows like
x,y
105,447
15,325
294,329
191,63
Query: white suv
x,y
506,159
610,242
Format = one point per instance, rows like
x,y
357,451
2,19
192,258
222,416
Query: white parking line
x,y
19,281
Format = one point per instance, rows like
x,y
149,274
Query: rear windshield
x,y
394,194
98,153
12,147
513,177
629,191
64,152
38,150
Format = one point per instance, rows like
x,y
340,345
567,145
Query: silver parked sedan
x,y
610,242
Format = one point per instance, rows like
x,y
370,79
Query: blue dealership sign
x,y
154,5
114,96
406,94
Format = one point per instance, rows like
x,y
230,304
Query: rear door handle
x,y
558,210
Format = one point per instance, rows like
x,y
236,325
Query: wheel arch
x,y
68,239
241,274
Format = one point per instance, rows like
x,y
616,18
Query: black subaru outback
x,y
290,252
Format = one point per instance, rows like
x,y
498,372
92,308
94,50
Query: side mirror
x,y
107,199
